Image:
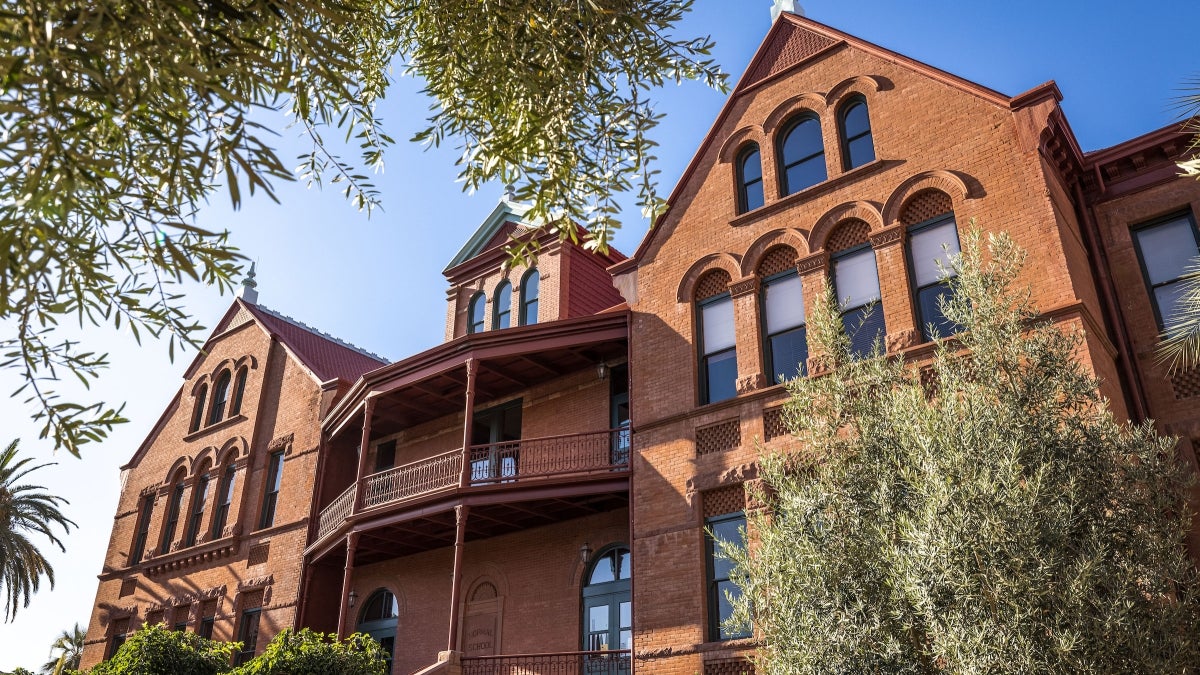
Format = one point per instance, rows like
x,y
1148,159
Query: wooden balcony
x,y
561,663
534,477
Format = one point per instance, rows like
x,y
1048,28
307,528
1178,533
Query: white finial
x,y
510,193
782,6
249,290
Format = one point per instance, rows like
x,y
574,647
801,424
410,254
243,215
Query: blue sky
x,y
378,282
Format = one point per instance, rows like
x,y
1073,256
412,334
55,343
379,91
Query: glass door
x,y
495,441
608,613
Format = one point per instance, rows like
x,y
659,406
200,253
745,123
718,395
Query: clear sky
x,y
378,284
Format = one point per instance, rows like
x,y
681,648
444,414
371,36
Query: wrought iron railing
x,y
549,456
335,514
413,479
561,663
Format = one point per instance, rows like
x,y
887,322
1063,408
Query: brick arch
x,y
944,181
247,361
848,234
200,381
738,139
392,588
727,262
181,464
859,84
924,205
233,449
488,573
810,102
789,237
208,454
857,210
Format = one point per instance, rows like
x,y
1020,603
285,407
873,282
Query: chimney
x,y
249,290
782,6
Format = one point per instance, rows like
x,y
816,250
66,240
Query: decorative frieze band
x,y
812,263
887,237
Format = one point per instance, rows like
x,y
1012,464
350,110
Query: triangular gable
x,y
793,45
487,233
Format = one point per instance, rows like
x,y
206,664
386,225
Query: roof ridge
x,y
320,333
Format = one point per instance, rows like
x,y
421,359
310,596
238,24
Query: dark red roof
x,y
326,356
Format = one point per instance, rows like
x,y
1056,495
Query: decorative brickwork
x,y
719,437
120,626
848,235
778,259
128,587
794,46
773,424
154,617
729,667
924,205
1186,384
729,499
252,600
258,554
712,284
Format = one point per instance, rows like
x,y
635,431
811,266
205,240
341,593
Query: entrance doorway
x,y
494,453
608,611
378,619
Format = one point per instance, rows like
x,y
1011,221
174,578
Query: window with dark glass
x,y
198,411
274,479
143,530
783,316
208,617
502,306
856,286
529,297
220,396
120,633
199,497
622,440
475,312
728,528
239,390
931,245
378,620
801,154
857,145
718,354
224,500
385,456
607,610
1165,247
172,518
750,184
247,635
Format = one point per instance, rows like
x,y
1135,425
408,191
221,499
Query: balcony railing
x,y
561,663
492,464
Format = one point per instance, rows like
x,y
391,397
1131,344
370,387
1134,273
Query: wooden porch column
x,y
460,531
363,447
468,424
347,578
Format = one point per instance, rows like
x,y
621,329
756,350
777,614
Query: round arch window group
x,y
527,307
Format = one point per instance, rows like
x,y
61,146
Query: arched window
x,y
801,154
224,499
932,241
199,498
220,395
378,619
475,313
502,306
145,511
239,390
749,178
716,343
607,615
856,286
172,520
855,132
782,303
198,410
529,297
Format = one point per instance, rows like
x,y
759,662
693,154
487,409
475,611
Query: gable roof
x,y
325,356
486,235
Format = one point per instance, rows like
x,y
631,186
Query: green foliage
x,y
1180,346
118,120
156,650
990,516
24,510
309,653
69,648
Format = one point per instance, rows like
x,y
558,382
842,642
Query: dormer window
x,y
502,306
529,297
475,313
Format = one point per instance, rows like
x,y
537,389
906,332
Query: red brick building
x,y
534,492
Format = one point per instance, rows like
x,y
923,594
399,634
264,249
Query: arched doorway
x,y
607,609
378,619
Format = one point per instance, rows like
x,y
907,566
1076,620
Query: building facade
x,y
536,491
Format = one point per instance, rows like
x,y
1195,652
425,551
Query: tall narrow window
x,y
385,456
930,246
783,315
1165,248
274,478
239,390
248,627
750,185
199,497
208,617
857,146
728,528
475,313
529,297
120,633
224,500
856,286
143,530
801,154
718,354
172,517
198,411
502,306
220,395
